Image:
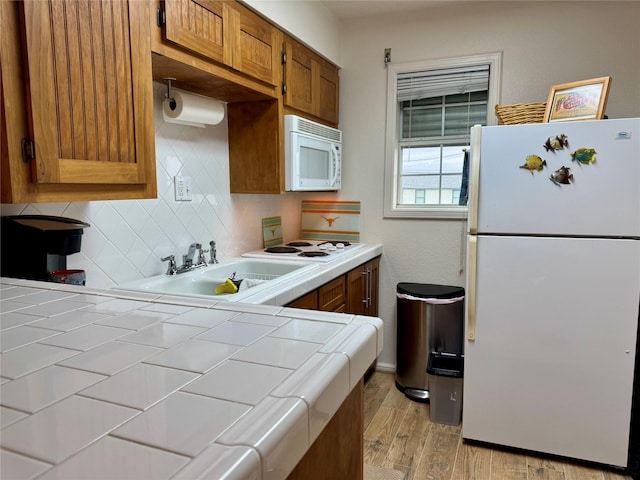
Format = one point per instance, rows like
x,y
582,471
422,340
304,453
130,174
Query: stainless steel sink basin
x,y
260,274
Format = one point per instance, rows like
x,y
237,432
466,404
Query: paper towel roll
x,y
192,109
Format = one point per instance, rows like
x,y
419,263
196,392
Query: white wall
x,y
543,43
127,238
309,21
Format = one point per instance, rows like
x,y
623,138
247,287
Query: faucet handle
x,y
172,268
212,249
201,259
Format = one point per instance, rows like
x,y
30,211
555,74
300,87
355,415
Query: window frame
x,y
392,147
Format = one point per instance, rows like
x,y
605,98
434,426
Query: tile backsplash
x,y
127,238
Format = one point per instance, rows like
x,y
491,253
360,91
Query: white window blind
x,y
442,82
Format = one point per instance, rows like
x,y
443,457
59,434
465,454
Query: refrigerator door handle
x,y
474,178
471,288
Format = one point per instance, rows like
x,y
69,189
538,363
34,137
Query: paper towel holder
x,y
169,96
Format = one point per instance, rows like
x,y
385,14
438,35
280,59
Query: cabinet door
x,y
308,301
199,26
357,290
332,295
255,45
327,92
89,93
298,77
362,289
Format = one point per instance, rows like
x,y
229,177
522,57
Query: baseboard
x,y
385,367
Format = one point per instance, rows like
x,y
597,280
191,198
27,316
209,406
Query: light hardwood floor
x,y
400,437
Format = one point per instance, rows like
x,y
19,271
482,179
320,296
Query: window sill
x,y
436,213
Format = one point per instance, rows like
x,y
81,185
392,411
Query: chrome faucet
x,y
172,268
212,249
188,262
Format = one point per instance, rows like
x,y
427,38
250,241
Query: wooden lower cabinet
x,y
308,301
354,292
338,452
332,296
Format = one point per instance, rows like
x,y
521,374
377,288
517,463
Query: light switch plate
x,y
183,188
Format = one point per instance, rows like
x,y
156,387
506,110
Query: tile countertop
x,y
116,384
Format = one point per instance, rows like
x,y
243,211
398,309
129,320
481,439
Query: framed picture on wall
x,y
584,100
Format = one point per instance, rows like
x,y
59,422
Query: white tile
x,y
183,423
116,306
278,429
379,326
222,462
15,319
186,301
168,308
222,382
52,308
236,333
194,355
261,319
110,358
9,416
203,318
23,335
136,320
316,315
278,352
11,306
92,296
85,338
113,458
40,389
28,359
360,347
14,292
307,331
70,321
323,383
269,310
163,335
16,466
43,296
59,431
139,386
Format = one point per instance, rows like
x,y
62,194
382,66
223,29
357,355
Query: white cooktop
x,y
332,251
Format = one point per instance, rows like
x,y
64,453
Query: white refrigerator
x,y
553,287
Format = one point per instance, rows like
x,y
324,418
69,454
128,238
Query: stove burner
x,y
281,250
313,254
299,244
335,242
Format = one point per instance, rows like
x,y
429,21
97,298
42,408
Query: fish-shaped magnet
x,y
534,162
556,143
562,176
584,156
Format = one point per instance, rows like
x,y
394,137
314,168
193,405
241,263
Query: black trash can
x,y
429,318
445,371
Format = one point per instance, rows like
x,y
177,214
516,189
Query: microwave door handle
x,y
335,166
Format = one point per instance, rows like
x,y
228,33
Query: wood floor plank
x,y
472,463
391,433
380,433
579,472
375,392
508,466
438,456
408,443
541,473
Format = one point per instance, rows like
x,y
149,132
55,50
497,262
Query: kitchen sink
x,y
256,274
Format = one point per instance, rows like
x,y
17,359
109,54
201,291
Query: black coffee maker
x,y
36,247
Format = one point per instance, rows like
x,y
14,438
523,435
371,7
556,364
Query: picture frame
x,y
584,100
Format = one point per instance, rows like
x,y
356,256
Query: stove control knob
x,y
339,245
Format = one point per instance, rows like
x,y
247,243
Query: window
x,y
430,108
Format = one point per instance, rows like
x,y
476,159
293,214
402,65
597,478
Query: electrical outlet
x,y
183,188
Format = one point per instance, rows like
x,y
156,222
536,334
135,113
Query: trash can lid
x,y
429,290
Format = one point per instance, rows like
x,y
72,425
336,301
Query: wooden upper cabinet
x,y
310,82
89,93
227,33
199,26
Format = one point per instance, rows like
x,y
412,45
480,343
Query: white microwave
x,y
312,155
